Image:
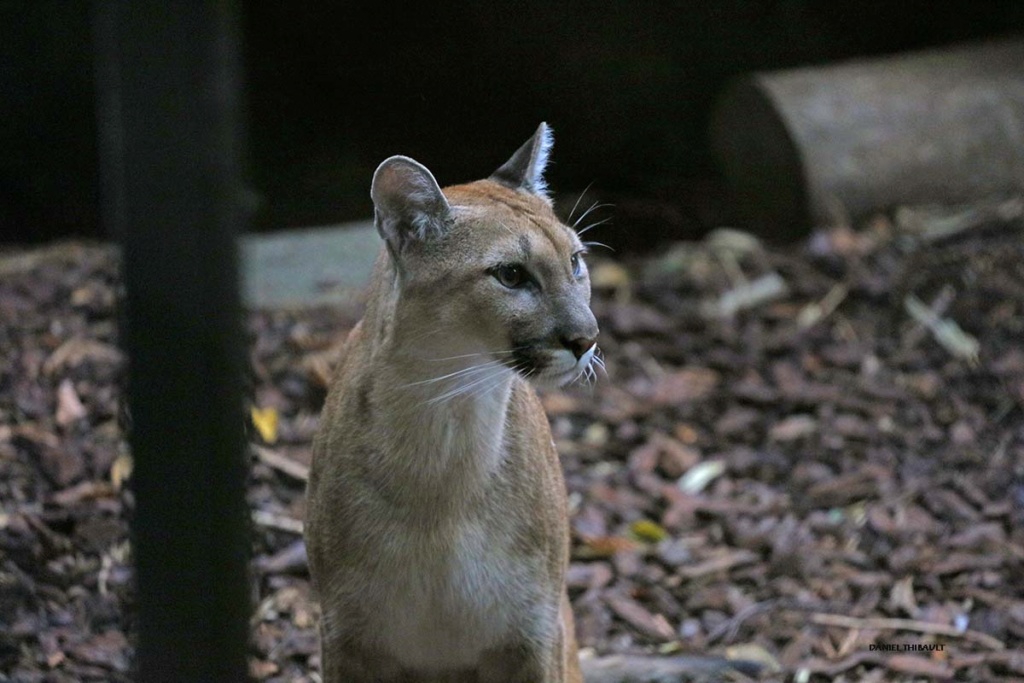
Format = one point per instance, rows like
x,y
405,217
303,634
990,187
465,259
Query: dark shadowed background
x,y
334,88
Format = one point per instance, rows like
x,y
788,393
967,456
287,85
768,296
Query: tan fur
x,y
437,530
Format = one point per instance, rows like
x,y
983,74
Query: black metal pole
x,y
168,83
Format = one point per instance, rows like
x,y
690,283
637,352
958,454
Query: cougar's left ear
x,y
525,170
408,204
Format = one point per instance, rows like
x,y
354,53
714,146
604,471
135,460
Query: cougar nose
x,y
578,346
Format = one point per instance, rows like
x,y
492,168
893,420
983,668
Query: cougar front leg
x,y
545,662
340,662
518,664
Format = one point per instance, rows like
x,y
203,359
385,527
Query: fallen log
x,y
819,144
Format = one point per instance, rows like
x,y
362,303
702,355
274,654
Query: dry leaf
x,y
792,428
595,435
609,275
292,558
86,490
653,626
260,669
686,433
69,406
918,666
74,352
318,367
685,385
902,597
265,420
121,470
676,458
752,652
648,531
606,546
107,650
557,403
698,477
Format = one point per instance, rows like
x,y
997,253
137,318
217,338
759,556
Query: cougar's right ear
x,y
525,170
408,203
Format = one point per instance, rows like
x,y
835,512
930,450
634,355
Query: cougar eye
x,y
577,265
509,275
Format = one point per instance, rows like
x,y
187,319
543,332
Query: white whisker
x,y
583,215
473,369
424,335
598,244
461,389
590,227
578,200
472,355
499,379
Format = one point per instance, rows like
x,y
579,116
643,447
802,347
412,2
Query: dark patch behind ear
x,y
408,203
525,170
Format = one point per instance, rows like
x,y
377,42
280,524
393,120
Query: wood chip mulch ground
x,y
796,454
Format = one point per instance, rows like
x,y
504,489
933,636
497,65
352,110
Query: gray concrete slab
x,y
308,267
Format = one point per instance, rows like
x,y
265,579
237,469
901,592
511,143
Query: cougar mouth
x,y
552,367
528,360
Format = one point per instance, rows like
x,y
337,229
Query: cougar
x,y
437,527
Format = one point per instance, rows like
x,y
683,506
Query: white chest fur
x,y
447,591
458,602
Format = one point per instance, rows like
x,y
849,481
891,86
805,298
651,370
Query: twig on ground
x,y
764,289
814,312
729,628
269,520
946,332
722,563
281,463
939,305
936,223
